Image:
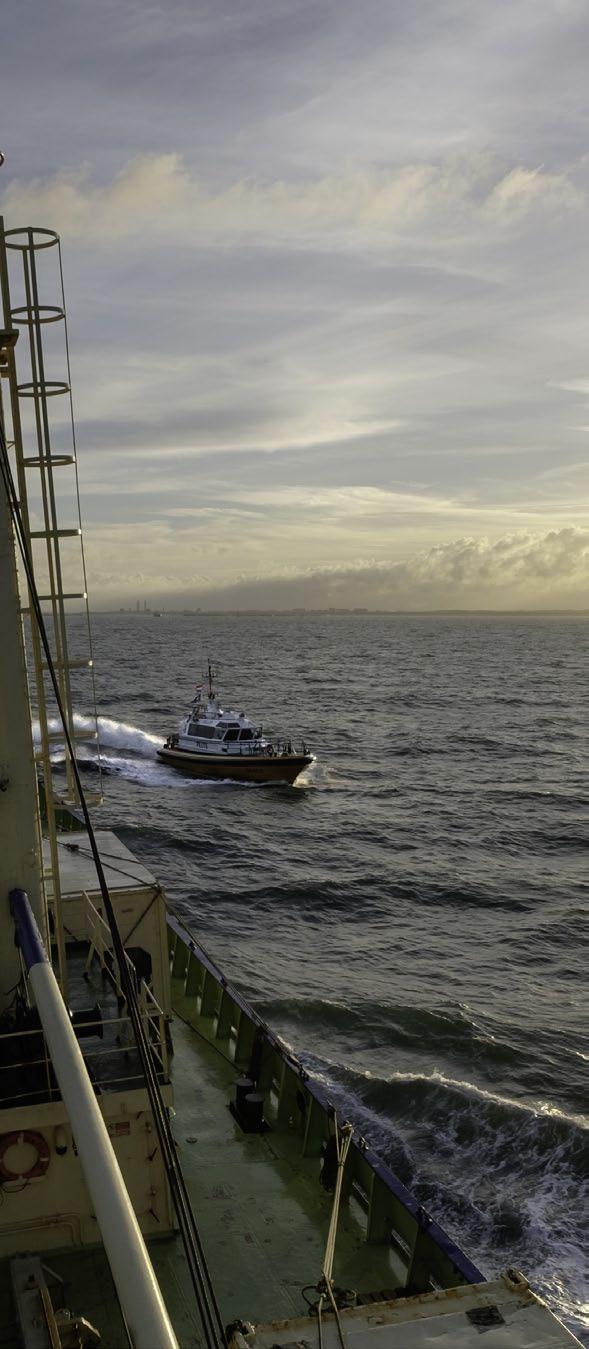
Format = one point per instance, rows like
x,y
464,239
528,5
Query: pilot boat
x,y
135,1208
213,742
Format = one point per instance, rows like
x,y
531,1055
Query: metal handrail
x,y
90,1054
101,945
279,748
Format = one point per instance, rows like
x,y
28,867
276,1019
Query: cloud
x,y
517,570
158,194
324,273
574,386
523,190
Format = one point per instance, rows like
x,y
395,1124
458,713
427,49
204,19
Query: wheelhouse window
x,y
246,735
203,732
232,733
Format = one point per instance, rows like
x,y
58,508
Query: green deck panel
x,y
260,1206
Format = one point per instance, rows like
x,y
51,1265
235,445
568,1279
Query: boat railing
x,y
276,748
279,748
288,747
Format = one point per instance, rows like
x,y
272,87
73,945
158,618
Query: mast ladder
x,y
42,444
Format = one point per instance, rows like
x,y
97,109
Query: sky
x,y
327,288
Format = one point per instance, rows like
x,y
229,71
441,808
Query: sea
x,y
409,915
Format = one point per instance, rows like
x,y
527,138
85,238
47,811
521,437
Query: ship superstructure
x,y
169,1172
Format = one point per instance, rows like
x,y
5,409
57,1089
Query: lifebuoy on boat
x,y
28,1138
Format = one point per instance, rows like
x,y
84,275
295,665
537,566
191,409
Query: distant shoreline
x,y
341,613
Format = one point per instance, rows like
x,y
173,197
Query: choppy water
x,y
410,914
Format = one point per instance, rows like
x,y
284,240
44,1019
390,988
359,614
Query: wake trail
x,y
122,750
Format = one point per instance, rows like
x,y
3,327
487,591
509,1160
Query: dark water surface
x,y
410,915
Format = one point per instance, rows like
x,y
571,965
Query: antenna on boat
x,y
210,676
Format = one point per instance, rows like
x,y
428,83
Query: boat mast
x,y
210,677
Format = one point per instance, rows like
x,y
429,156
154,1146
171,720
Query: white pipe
x,y
140,1297
139,1294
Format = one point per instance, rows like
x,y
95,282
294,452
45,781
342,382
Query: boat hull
x,y
239,768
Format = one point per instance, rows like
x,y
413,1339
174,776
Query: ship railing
x,y
26,1072
100,947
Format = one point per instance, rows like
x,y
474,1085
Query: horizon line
x,y
301,612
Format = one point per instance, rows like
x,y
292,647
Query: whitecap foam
x,y
533,1107
121,735
155,774
510,1191
112,734
529,1107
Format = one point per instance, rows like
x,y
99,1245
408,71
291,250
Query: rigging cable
x,y
200,1276
343,1139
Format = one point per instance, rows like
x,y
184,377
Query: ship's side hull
x,y
237,767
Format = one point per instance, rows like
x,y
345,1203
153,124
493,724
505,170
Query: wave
x,y
412,1027
508,1178
112,734
415,749
358,897
121,749
501,749
481,1136
352,900
120,735
535,1062
421,1089
478,895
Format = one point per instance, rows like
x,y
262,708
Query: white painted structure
x,y
131,1268
209,728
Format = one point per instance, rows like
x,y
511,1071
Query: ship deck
x,y
264,1221
260,1208
259,1204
